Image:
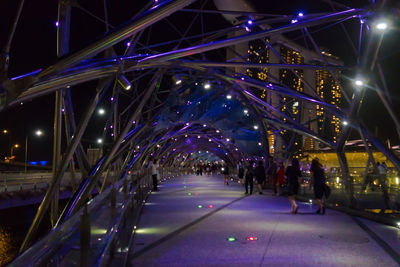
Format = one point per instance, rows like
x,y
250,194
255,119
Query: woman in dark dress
x,y
292,175
260,176
318,177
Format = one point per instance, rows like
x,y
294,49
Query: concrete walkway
x,y
188,223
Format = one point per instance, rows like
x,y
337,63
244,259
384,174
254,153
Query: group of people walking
x,y
278,176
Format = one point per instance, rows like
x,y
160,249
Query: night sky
x,y
34,47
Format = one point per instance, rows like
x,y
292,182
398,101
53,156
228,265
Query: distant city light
x,y
247,29
259,143
228,96
217,131
250,22
245,111
207,85
301,14
57,23
101,111
39,133
99,141
255,127
209,140
227,140
178,82
204,125
345,123
128,44
294,21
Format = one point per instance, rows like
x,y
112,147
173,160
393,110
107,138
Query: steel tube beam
x,y
149,18
251,36
85,192
267,65
62,168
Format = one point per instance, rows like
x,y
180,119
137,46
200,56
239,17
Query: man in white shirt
x,y
154,172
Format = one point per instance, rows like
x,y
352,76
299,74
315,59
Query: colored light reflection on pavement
x,y
210,206
200,206
252,238
232,239
184,186
196,194
189,194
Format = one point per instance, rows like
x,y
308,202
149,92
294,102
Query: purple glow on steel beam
x,y
26,74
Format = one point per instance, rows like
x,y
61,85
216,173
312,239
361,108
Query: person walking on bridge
x,y
292,174
154,173
248,174
318,178
225,172
260,176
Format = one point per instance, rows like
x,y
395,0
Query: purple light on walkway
x,y
128,44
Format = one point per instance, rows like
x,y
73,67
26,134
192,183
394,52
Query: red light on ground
x,y
252,238
196,194
210,206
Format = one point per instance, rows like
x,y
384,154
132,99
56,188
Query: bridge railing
x,y
99,233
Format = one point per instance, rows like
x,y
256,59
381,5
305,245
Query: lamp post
x,y
7,132
12,149
38,133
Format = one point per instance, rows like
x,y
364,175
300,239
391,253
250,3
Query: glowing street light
x,y
245,111
358,83
255,127
39,133
101,111
207,85
99,141
381,26
345,123
228,96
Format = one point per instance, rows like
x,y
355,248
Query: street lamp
x,y
38,133
5,131
12,149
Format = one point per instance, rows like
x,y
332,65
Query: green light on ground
x,y
231,239
184,186
189,194
200,206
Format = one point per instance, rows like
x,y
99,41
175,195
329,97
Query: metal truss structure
x,y
149,115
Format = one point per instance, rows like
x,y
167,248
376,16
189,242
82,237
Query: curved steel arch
x,y
150,67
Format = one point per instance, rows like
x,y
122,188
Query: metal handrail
x,y
58,245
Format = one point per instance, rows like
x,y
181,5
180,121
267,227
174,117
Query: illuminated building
x,y
308,81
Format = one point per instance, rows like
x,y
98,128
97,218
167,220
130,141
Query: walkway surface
x,y
189,221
